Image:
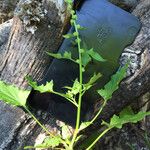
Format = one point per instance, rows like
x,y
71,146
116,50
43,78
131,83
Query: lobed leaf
x,y
58,55
84,125
74,90
13,95
93,79
88,55
65,55
49,142
68,36
85,59
95,55
113,84
48,87
126,116
66,133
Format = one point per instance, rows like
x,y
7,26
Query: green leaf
x,y
58,56
113,84
53,141
66,55
84,125
68,1
85,59
66,134
126,116
93,79
80,27
88,55
76,87
49,142
68,36
75,33
95,55
13,95
74,90
126,111
48,87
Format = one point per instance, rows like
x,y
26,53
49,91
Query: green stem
x,y
64,96
80,92
74,61
97,139
42,126
99,112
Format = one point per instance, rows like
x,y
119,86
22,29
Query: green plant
x,y
17,97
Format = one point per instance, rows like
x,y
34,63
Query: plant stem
x,y
42,126
64,96
99,112
80,92
102,134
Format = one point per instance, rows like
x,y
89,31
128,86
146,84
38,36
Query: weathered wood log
x,y
138,84
6,9
128,5
37,27
4,34
25,53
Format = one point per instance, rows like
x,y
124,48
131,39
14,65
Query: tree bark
x,y
7,9
138,84
127,5
37,27
26,50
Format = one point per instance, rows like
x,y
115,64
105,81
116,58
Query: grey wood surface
x,y
138,83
